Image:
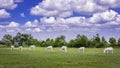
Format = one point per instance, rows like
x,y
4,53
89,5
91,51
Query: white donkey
x,y
63,48
49,48
20,48
108,50
81,49
31,47
12,48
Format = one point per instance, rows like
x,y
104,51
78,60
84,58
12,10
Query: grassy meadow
x,y
40,58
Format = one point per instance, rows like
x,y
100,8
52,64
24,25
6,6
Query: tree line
x,y
80,41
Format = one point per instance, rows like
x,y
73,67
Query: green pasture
x,y
40,58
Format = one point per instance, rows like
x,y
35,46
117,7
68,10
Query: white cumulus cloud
x,y
112,23
37,10
9,4
109,3
65,8
4,13
86,6
79,21
22,15
18,1
48,20
10,30
106,16
28,30
31,24
13,24
1,26
37,29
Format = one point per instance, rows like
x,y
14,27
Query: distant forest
x,y
81,40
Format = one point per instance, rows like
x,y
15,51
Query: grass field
x,y
40,58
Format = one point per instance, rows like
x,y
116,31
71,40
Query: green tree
x,y
35,42
24,39
49,42
17,39
103,43
96,41
7,40
84,41
43,44
78,36
62,37
81,40
97,38
90,43
60,41
118,43
72,43
112,41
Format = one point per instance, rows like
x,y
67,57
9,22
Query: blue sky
x,y
51,18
